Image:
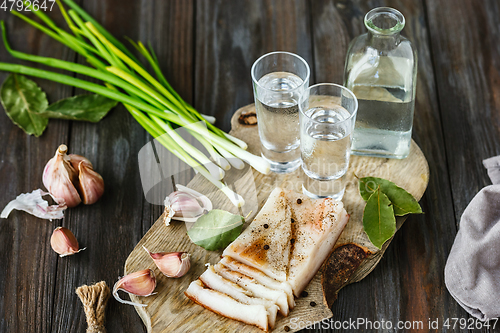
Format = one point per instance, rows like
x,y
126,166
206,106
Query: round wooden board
x,y
352,259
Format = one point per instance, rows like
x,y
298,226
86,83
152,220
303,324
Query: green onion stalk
x,y
151,100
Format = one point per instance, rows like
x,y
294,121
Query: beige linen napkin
x,y
472,272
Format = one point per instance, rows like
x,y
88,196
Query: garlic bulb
x,y
172,264
64,242
72,178
59,176
185,205
141,283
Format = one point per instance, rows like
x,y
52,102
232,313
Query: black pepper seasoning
x,y
299,201
313,304
266,247
292,240
286,328
266,225
304,294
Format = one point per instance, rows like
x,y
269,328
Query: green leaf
x,y
216,230
378,218
22,99
81,108
402,201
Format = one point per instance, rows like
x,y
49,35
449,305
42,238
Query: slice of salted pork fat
x,y
279,297
260,277
265,243
222,304
316,226
216,282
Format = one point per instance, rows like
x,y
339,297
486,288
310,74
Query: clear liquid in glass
x,y
383,86
278,115
325,146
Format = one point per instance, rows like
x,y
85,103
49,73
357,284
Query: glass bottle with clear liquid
x,y
381,70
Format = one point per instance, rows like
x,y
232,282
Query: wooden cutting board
x,y
352,259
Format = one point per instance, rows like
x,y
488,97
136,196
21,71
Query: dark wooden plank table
x,y
206,49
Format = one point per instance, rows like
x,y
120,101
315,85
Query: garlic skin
x,y
91,184
34,204
64,242
171,264
59,176
141,283
185,205
72,178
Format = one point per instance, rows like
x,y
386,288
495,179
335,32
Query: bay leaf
x,y
379,222
22,100
89,107
216,229
402,201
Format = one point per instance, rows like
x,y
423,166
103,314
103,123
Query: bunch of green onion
x,y
151,101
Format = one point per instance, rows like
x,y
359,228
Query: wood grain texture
x,y
27,263
466,53
230,36
170,311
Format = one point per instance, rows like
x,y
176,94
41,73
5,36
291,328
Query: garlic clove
x,y
76,159
59,176
205,201
91,184
64,242
185,205
171,264
141,283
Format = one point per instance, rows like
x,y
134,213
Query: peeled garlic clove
x,y
59,177
172,264
76,159
91,184
64,242
185,205
141,283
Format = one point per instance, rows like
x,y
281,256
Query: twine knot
x,y
94,299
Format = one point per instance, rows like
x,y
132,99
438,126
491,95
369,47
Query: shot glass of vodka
x,y
327,118
279,79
